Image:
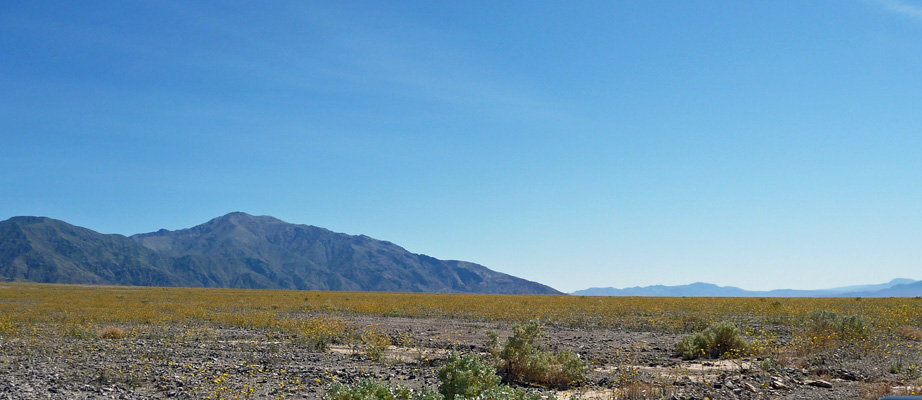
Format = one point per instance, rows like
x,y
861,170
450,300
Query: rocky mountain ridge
x,y
237,250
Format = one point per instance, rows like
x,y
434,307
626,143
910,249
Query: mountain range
x,y
237,250
895,288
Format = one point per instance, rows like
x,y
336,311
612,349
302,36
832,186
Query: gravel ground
x,y
207,362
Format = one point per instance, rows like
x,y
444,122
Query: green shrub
x,y
506,393
81,331
370,390
896,368
522,361
770,365
844,327
466,376
720,340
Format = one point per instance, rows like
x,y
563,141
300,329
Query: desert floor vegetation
x,y
71,341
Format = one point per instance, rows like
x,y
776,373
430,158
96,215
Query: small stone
x,y
777,384
748,386
820,383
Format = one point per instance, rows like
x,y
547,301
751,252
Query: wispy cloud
x,y
425,63
909,9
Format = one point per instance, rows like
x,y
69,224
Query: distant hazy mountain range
x,y
236,251
894,288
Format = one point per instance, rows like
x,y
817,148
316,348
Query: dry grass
x,y
112,332
876,390
873,391
910,333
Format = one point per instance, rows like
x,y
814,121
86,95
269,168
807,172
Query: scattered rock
x,y
846,375
164,369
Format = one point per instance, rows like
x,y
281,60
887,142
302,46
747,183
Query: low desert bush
x,y
824,330
770,365
375,343
7,327
318,333
466,376
842,327
507,393
370,390
910,333
522,361
719,340
81,330
112,332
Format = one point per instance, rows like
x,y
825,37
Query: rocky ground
x,y
209,362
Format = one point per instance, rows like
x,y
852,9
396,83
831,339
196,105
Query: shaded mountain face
x,y
240,251
41,249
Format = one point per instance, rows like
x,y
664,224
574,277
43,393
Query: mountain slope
x,y
873,288
911,289
45,250
236,250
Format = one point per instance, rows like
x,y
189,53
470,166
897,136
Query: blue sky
x,y
756,144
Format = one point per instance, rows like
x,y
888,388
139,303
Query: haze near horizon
x,y
761,145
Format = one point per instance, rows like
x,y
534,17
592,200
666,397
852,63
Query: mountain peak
x,y
28,220
235,215
238,216
239,222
